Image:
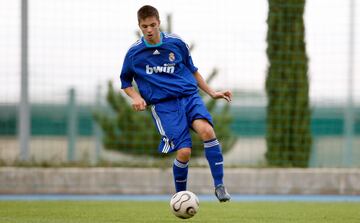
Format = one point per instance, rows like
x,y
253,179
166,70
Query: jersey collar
x,y
154,45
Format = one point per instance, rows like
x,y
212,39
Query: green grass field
x,y
133,211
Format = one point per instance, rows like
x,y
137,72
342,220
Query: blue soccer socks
x,y
180,171
216,162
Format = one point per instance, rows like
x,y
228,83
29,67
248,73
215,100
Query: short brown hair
x,y
147,11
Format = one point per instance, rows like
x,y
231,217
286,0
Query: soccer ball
x,y
184,204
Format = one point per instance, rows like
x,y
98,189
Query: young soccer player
x,y
162,67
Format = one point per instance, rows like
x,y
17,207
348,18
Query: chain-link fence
x,y
68,51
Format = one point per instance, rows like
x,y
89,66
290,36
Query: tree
x,y
288,113
134,132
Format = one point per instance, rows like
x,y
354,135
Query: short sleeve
x,y
127,74
188,59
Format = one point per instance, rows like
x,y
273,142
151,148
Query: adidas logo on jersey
x,y
167,68
156,52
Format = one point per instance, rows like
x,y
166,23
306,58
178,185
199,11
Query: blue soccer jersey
x,y
163,71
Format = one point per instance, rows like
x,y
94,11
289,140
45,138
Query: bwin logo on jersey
x,y
160,69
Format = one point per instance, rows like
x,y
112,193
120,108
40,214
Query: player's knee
x,y
183,154
207,133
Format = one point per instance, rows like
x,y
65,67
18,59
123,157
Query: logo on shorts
x,y
171,56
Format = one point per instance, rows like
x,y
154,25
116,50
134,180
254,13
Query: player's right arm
x,y
126,78
138,103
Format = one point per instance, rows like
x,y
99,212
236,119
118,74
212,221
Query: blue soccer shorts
x,y
173,119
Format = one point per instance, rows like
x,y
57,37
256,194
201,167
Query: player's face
x,y
150,28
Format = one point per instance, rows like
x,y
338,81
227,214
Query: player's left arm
x,y
227,95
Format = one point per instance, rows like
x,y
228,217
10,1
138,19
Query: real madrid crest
x,y
171,56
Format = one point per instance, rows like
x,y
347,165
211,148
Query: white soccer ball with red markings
x,y
184,204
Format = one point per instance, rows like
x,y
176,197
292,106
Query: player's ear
x,y
139,22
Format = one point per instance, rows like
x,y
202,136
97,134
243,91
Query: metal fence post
x,y
24,108
349,110
72,125
97,129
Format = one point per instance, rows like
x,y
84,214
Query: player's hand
x,y
139,104
227,95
